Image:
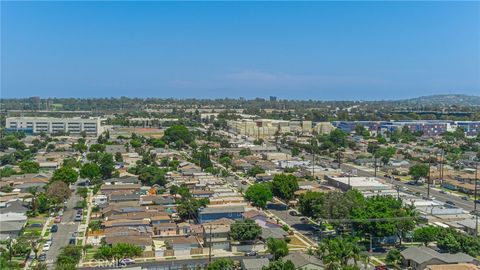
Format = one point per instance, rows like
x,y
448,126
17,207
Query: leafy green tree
x,y
255,170
69,257
136,143
118,157
71,162
90,171
29,166
259,194
82,192
284,185
245,230
426,234
221,264
107,166
379,207
277,247
65,174
393,257
295,151
179,135
245,152
418,171
7,172
97,148
157,143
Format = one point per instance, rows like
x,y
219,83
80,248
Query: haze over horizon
x,y
307,50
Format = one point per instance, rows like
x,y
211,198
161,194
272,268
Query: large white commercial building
x,y
49,125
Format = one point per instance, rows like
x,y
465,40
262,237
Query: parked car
x,y
304,220
72,241
54,228
58,219
293,213
443,191
46,247
42,257
78,218
449,202
36,225
127,261
466,198
244,182
251,253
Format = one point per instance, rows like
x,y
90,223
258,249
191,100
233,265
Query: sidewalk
x,y
44,230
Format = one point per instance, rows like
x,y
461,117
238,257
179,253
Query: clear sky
x,y
297,50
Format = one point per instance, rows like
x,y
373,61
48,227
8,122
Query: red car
x,y
58,219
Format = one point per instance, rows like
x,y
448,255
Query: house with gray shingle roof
x,y
419,257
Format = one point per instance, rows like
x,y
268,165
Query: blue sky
x,y
295,50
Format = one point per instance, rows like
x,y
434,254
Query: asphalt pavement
x,y
65,229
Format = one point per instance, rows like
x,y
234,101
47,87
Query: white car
x,y
127,261
46,247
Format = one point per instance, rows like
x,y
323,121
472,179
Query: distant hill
x,y
447,100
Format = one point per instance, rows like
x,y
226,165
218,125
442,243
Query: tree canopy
x,y
284,185
259,194
245,230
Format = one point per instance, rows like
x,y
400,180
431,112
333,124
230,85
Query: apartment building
x,y
35,125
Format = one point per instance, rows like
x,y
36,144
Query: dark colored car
x,y
54,228
450,202
72,241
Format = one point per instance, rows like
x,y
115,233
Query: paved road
x,y
65,230
466,205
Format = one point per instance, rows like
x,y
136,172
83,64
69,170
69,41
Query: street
x,y
65,230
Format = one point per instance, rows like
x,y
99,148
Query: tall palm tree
x,y
34,192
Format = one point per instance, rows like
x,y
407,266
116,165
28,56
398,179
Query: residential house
x,y
418,258
304,261
254,263
212,213
165,229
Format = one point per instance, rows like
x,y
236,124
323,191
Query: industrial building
x,y
49,125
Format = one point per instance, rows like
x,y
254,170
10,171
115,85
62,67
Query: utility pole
x,y
428,183
313,165
375,164
210,246
398,192
475,199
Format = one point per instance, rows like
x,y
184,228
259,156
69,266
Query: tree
x,y
259,194
426,234
295,151
179,135
221,264
245,230
90,171
284,185
255,170
393,257
245,152
58,192
107,166
118,157
277,247
82,192
69,257
97,148
65,174
34,192
280,265
125,250
336,252
71,162
418,171
29,166
377,207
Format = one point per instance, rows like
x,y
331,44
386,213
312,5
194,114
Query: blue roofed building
x,y
213,213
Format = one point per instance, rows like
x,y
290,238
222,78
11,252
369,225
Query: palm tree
x,y
335,253
34,192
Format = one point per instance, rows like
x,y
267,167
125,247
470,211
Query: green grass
x,y
170,258
80,242
47,233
